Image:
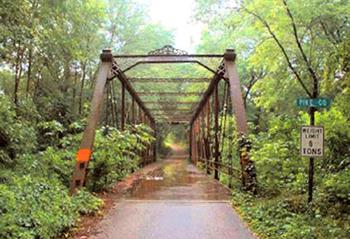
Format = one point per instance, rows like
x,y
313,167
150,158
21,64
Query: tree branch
x,y
265,23
307,62
253,79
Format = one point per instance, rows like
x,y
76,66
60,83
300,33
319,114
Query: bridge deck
x,y
174,201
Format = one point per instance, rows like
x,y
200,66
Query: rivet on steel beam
x,y
230,55
106,55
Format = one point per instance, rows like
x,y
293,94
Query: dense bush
x,y
274,219
38,207
276,155
116,155
50,132
333,194
17,133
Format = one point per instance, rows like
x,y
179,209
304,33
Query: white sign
x,y
311,141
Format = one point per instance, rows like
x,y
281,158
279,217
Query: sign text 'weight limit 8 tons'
x,y
312,141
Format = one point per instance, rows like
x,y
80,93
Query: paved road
x,y
176,201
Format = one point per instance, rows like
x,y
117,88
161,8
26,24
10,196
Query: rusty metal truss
x,y
170,93
171,109
204,144
171,113
169,80
167,55
171,102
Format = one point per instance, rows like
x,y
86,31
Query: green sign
x,y
318,102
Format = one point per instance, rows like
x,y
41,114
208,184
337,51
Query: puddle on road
x,y
153,178
178,180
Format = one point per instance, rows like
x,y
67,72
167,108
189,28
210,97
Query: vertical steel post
x,y
195,150
142,116
235,92
203,135
122,122
155,142
142,121
139,117
85,150
207,143
195,140
147,147
216,127
190,132
199,138
247,165
113,105
193,145
133,110
311,161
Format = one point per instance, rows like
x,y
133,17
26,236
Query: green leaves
x,y
34,201
280,217
17,134
35,207
86,203
116,154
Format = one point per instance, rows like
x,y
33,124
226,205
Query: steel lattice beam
x,y
172,115
171,102
122,77
170,93
178,57
169,80
171,109
205,97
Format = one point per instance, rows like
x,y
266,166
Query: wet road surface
x,y
174,201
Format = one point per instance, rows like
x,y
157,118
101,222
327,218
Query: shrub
x,y
52,163
35,208
50,133
38,207
333,195
115,155
85,203
275,219
17,135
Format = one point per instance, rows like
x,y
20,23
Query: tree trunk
x,y
82,88
74,91
37,86
18,73
29,73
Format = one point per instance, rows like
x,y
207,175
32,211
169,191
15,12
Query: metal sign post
x,y
311,145
312,136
